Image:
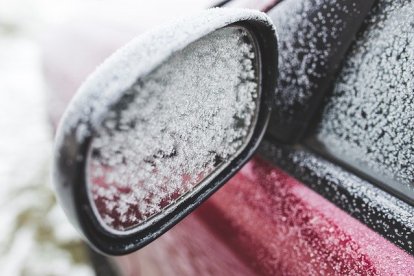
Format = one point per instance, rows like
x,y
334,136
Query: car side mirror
x,y
162,124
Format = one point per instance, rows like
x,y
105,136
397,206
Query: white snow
x,y
34,230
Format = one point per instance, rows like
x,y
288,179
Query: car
x,y
330,189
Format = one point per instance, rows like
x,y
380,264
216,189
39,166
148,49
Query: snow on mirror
x,y
174,129
162,124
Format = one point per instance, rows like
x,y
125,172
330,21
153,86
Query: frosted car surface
x,y
368,120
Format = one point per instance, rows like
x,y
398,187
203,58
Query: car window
x,y
368,120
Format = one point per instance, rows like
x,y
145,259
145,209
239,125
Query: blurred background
x,y
47,47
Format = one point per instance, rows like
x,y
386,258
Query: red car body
x,y
274,225
263,222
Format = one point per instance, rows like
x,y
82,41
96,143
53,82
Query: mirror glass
x,y
174,129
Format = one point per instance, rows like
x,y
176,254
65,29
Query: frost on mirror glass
x,y
173,129
368,120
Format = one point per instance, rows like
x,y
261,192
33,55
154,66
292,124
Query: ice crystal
x,y
173,128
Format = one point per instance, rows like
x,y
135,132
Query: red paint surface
x,y
273,225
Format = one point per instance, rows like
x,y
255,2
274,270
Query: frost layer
x,y
313,37
369,118
173,128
